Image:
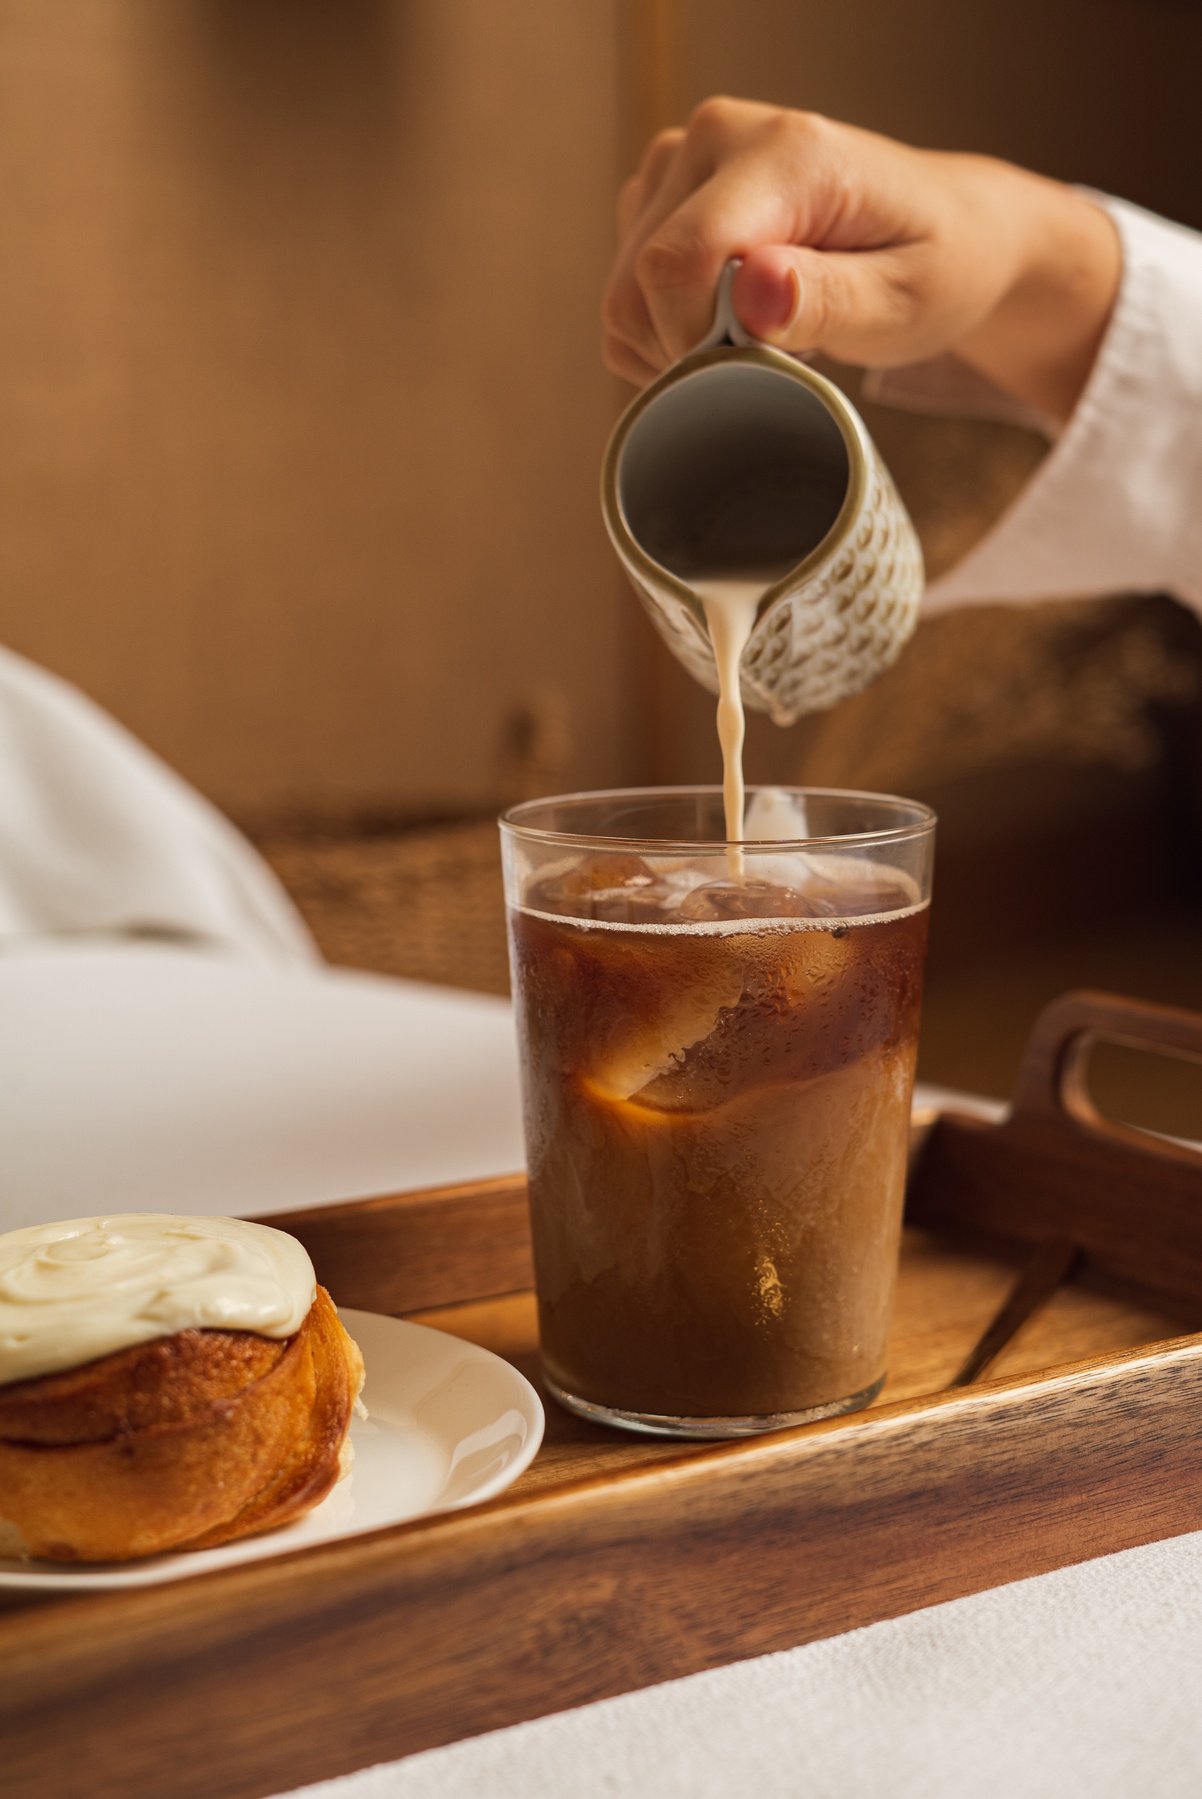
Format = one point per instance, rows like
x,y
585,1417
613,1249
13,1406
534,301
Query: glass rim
x,y
920,824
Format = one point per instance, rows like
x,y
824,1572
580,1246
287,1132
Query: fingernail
x,y
788,304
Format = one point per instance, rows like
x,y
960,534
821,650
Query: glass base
x,y
655,1424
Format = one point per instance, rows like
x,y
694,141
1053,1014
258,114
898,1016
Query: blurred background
x,y
303,421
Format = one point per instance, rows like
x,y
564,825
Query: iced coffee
x,y
717,1069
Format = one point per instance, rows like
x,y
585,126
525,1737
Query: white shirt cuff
x,y
1117,505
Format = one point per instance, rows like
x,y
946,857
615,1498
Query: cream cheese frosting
x,y
85,1287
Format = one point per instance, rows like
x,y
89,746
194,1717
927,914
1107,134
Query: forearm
x,y
1040,340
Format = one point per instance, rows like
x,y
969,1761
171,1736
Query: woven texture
x,y
830,637
836,634
425,903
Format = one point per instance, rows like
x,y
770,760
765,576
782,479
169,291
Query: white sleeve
x,y
1117,504
99,838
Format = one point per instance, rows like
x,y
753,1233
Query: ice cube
x,y
812,1001
864,897
859,888
774,816
617,888
750,1043
746,899
662,1025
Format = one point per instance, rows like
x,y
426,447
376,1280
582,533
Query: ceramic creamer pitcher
x,y
742,460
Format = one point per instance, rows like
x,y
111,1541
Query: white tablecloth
x,y
1084,1684
136,1075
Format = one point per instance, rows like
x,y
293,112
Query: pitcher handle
x,y
726,328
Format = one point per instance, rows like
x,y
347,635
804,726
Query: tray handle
x,y
1052,1075
1056,1172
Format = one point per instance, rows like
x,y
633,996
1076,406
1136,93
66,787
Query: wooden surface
x,y
1129,1199
619,1561
312,1665
414,1250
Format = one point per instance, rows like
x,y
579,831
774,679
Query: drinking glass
x,y
717,1048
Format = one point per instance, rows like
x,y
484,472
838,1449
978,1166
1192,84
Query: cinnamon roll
x,y
165,1384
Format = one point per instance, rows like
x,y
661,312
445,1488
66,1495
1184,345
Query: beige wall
x,y
1099,91
304,409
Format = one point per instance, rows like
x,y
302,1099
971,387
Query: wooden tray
x,y
1044,1405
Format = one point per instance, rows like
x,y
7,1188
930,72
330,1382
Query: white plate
x,y
448,1424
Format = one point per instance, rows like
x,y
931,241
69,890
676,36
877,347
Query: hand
x,y
852,244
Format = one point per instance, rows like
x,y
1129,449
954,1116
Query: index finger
x,y
678,265
669,174
637,195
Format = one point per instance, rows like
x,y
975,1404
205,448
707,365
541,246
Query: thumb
x,y
844,302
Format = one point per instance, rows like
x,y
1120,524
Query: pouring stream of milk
x,y
730,604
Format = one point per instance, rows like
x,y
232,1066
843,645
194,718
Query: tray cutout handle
x,y
1055,1171
1053,1078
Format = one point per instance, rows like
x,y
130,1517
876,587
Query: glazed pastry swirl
x,y
76,1290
